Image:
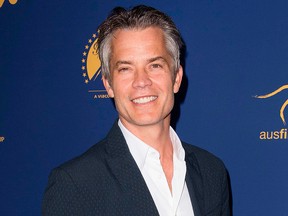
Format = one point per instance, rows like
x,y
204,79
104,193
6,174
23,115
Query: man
x,y
141,167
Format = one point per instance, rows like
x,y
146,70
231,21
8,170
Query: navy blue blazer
x,y
105,180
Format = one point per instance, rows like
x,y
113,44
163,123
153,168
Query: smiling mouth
x,y
144,100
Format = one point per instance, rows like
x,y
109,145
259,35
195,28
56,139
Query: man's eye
x,y
123,69
156,66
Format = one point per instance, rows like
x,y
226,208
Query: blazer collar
x,y
127,173
194,182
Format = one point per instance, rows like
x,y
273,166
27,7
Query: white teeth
x,y
144,99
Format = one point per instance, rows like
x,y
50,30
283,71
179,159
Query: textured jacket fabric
x,y
105,180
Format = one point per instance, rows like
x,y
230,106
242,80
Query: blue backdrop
x,y
53,107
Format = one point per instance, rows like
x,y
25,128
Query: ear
x,y
178,80
108,87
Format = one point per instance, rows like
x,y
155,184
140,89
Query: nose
x,y
141,79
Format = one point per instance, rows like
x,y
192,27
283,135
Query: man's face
x,y
141,77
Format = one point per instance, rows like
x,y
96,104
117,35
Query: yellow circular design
x,y
93,62
13,1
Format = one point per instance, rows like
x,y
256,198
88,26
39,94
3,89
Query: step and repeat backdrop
x,y
233,101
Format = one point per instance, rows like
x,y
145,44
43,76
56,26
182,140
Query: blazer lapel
x,y
194,184
125,169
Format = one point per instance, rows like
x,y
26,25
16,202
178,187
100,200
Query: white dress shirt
x,y
148,160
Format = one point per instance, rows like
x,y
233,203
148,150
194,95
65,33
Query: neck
x,y
157,136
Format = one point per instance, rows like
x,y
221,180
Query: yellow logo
x,y
91,69
10,1
2,138
282,116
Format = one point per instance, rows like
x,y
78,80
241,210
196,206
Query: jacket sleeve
x,y
61,196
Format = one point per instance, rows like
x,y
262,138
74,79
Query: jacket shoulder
x,y
202,157
94,156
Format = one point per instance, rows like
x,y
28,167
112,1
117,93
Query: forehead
x,y
138,42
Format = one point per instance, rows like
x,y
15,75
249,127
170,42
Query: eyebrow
x,y
156,59
121,62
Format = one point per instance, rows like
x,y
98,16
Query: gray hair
x,y
139,17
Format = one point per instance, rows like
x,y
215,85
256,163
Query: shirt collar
x,y
140,149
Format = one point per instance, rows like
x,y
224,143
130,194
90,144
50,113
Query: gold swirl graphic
x,y
10,1
283,106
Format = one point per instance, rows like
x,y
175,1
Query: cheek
x,y
119,91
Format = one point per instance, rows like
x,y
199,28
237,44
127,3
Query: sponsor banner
x,y
54,105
